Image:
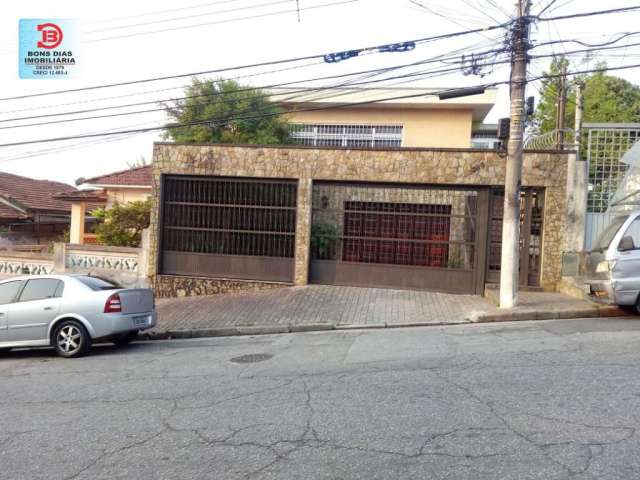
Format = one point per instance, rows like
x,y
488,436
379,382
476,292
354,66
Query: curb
x,y
598,311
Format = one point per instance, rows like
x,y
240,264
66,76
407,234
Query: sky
x,y
122,40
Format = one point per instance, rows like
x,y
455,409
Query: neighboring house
x,y
338,118
29,210
123,186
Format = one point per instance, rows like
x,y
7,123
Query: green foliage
x,y
606,98
323,239
122,224
219,99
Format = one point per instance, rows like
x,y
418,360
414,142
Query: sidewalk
x,y
324,307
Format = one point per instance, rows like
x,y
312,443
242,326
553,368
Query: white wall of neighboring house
x,y
125,194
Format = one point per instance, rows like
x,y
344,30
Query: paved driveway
x,y
550,400
319,304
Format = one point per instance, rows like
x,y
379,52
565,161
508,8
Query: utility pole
x,y
561,106
579,112
509,265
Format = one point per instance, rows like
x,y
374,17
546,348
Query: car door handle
x,y
48,308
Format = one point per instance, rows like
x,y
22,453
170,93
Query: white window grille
x,y
487,140
606,146
355,136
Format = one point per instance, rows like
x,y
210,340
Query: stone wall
x,y
170,286
418,166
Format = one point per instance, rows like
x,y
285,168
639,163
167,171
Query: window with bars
x,y
228,216
488,140
403,229
354,136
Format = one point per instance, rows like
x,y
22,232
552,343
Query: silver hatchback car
x,y
70,312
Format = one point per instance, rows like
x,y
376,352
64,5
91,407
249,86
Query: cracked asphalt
x,y
528,400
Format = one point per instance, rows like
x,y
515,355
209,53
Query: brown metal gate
x,y
531,223
399,236
222,227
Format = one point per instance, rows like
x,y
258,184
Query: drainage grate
x,y
252,358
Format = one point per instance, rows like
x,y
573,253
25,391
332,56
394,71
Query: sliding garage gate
x,y
222,227
399,236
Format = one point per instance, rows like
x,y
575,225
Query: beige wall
x,y
442,128
124,195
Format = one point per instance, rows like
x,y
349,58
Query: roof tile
x,y
139,176
34,195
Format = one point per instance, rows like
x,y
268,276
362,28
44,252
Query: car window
x,y
634,232
97,283
8,291
605,238
39,289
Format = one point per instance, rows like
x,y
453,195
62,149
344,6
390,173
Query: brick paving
x,y
360,307
318,304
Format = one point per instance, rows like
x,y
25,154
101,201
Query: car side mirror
x,y
626,244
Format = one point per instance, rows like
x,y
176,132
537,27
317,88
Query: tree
x,y
606,98
122,224
228,109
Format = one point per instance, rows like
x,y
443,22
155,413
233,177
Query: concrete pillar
x,y
143,256
59,257
78,213
303,232
580,204
576,203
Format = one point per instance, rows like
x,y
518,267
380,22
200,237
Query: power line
x,y
231,20
170,10
588,50
225,121
146,92
310,89
581,72
580,42
199,15
588,14
364,50
264,87
547,7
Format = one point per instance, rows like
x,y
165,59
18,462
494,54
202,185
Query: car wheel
x,y
71,339
124,340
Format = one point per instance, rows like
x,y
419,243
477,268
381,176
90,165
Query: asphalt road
x,y
540,400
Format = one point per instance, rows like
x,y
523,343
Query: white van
x,y
613,264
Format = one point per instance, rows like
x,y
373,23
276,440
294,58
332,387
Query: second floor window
x,y
354,136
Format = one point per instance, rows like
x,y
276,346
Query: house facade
x,y
133,184
30,213
229,217
360,118
124,186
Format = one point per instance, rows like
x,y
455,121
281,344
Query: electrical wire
x,y
227,120
371,49
587,14
186,17
219,22
447,60
312,89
